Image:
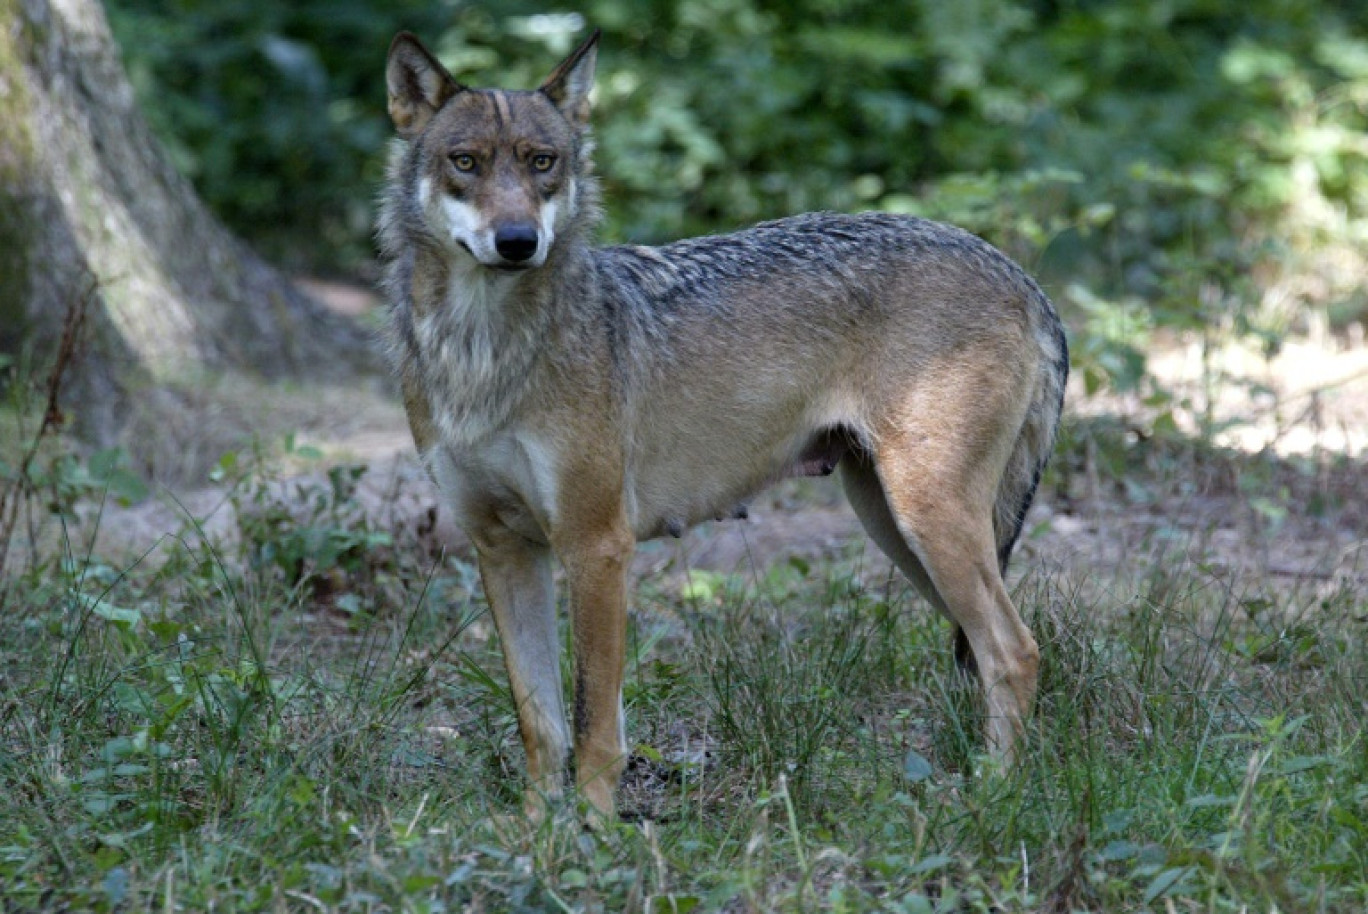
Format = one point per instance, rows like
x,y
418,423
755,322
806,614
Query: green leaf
x,y
1300,763
419,883
1165,425
1164,882
107,467
916,767
1118,820
126,619
99,803
116,886
916,903
932,864
1119,850
225,466
302,791
117,748
165,629
1094,379
702,586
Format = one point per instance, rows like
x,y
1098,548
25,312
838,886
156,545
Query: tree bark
x,y
91,208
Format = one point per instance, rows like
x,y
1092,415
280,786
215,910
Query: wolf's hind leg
x,y
517,582
942,503
866,496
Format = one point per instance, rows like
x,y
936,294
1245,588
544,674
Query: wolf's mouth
x,y
505,267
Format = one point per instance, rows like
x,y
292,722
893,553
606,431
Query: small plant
x,y
307,531
31,392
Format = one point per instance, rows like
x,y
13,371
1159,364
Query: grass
x,y
317,719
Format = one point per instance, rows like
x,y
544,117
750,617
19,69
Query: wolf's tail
x,y
1032,449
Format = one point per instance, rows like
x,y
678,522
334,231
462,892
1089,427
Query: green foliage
x,y
1151,153
302,529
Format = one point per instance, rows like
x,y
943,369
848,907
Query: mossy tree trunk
x,y
91,207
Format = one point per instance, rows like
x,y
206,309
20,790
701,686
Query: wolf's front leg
x,y
596,564
517,582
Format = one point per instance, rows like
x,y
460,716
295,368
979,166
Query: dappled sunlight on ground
x,y
1310,396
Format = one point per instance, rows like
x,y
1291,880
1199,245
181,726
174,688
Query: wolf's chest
x,y
509,477
474,365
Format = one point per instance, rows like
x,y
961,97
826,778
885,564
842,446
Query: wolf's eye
x,y
543,162
463,161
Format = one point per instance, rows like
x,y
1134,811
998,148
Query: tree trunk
x,y
91,208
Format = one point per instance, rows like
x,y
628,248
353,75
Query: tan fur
x,y
569,402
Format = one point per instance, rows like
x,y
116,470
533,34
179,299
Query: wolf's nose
x,y
516,242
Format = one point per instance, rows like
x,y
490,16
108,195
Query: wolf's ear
x,y
568,86
418,85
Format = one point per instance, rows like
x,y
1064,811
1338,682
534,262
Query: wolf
x,y
570,401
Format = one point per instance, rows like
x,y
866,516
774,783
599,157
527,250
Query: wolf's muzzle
x,y
516,242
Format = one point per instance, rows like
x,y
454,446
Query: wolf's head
x,y
496,174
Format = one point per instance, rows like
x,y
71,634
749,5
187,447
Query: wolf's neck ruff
x,y
478,351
